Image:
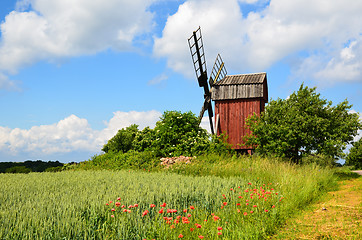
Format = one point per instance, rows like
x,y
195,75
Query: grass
x,y
76,204
337,216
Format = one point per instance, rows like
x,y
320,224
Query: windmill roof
x,y
242,79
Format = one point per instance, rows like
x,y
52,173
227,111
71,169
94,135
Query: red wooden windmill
x,y
236,97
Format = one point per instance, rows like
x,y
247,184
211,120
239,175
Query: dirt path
x,y
339,216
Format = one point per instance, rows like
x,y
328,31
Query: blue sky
x,y
74,72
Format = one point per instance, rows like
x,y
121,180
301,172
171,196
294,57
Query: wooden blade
x,y
218,71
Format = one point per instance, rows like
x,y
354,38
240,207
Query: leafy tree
x,y
354,158
122,141
179,133
175,134
301,125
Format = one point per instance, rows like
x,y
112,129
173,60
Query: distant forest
x,y
29,166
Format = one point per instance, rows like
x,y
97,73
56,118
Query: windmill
x,y
218,72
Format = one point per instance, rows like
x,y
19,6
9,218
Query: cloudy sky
x,y
73,72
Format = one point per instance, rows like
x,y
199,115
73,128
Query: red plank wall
x,y
232,116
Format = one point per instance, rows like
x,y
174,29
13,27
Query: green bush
x,y
354,157
18,169
54,169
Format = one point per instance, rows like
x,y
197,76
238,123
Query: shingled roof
x,y
243,86
252,78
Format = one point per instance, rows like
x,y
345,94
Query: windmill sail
x,y
198,58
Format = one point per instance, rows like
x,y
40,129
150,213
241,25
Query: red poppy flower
x,y
219,233
152,205
145,213
180,236
219,228
192,229
161,211
163,205
201,237
119,199
192,207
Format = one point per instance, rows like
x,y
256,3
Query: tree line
x,y
30,166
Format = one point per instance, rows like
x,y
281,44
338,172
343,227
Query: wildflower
x,y
117,204
185,210
112,216
152,205
180,236
128,211
192,207
161,211
192,229
176,221
163,205
216,218
107,204
249,183
172,226
266,210
119,199
219,233
245,213
136,205
205,220
254,206
224,203
231,189
238,204
124,210
113,209
201,237
145,213
273,206
219,228
110,201
240,197
247,204
198,225
251,211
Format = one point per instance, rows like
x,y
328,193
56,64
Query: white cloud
x,y
284,28
71,134
56,29
158,80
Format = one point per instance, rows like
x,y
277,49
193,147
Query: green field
x,y
247,198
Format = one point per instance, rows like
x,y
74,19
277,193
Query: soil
x,y
339,216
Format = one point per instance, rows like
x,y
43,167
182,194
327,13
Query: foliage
x,y
301,125
175,134
54,169
18,169
72,204
119,160
35,166
122,141
354,158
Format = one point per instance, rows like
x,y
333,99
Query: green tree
x,y
354,158
122,141
179,134
301,125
